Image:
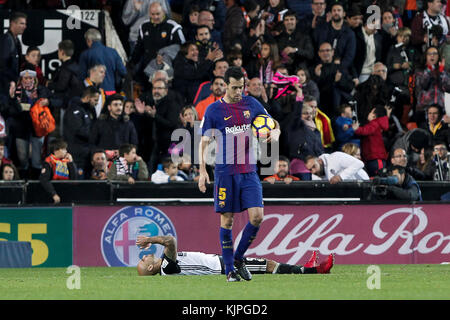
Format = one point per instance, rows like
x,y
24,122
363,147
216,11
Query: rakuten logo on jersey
x,y
237,129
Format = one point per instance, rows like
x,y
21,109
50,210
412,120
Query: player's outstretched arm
x,y
203,178
169,243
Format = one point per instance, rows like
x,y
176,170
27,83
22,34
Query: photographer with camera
x,y
441,159
430,27
395,184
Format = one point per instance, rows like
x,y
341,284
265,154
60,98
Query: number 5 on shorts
x,y
222,193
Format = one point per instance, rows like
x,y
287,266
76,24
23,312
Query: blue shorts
x,y
236,193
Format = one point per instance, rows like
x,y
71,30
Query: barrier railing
x,y
111,192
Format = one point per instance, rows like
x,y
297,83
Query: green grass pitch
x,y
349,282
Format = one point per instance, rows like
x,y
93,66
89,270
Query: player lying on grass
x,y
198,263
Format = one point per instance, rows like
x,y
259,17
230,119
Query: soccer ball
x,y
262,125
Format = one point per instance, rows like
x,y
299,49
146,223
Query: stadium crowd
x,y
344,80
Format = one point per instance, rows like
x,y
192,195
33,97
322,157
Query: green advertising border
x,y
57,222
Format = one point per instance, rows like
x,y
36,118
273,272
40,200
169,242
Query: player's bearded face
x,y
234,90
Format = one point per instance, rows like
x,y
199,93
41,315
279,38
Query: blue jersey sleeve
x,y
258,108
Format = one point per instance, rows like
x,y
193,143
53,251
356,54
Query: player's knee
x,y
256,220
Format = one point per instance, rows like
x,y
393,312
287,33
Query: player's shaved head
x,y
148,265
142,269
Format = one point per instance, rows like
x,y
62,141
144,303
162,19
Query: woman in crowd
x,y
431,83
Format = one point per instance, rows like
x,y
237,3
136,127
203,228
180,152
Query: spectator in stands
x,y
281,172
430,27
273,13
442,161
388,32
216,8
96,76
237,22
372,92
400,158
345,127
190,72
400,59
163,62
28,93
352,149
308,85
113,129
97,53
334,81
3,159
294,45
204,42
66,83
338,35
426,163
323,123
166,172
235,59
9,107
186,144
33,57
218,89
257,91
158,33
129,166
405,189
354,17
163,111
369,48
431,82
205,17
99,165
186,170
11,50
190,24
265,64
135,13
336,167
204,89
435,125
316,17
9,172
79,119
413,141
374,152
57,166
303,139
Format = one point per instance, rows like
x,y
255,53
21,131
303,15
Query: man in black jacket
x,y
369,49
11,51
294,44
338,34
66,83
163,112
155,34
399,185
113,129
333,79
78,121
